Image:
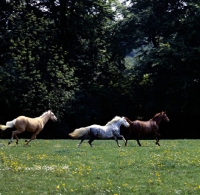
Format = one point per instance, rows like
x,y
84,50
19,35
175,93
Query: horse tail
x,y
9,124
3,127
79,132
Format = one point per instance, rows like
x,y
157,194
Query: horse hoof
x,y
157,144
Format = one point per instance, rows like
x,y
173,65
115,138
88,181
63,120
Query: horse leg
x,y
121,136
90,141
14,134
126,139
157,139
82,139
138,142
32,138
137,138
16,139
11,140
158,144
117,141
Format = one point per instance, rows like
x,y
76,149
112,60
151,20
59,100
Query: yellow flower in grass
x,y
57,186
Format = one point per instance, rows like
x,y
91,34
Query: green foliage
x,y
69,56
169,31
35,72
59,56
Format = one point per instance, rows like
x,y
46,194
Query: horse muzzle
x,y
55,120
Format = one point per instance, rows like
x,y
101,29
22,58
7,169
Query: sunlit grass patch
x,y
59,167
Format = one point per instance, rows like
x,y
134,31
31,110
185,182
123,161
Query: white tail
x,y
9,124
3,127
79,132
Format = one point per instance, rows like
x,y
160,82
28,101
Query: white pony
x,y
111,129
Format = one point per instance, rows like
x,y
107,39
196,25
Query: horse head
x,y
164,116
125,122
52,116
160,116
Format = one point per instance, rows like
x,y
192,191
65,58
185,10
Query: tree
x,y
35,72
167,61
60,52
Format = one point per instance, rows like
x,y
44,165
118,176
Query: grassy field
x,y
58,167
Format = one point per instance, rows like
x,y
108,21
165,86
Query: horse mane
x,y
43,114
128,120
116,118
157,114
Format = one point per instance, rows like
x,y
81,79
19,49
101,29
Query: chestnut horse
x,y
146,127
33,125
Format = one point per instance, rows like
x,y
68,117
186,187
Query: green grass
x,y
58,167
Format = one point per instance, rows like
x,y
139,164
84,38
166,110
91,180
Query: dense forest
x,y
90,60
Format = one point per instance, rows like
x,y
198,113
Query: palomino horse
x,y
111,129
146,127
33,125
